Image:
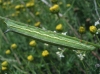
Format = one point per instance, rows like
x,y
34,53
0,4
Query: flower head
x,y
30,4
4,68
37,13
59,27
93,29
64,33
13,46
45,53
18,7
5,63
81,29
55,8
68,5
60,54
80,54
30,58
8,52
32,43
37,24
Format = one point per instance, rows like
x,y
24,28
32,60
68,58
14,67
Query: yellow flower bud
x,y
45,53
54,8
37,24
30,4
17,7
8,52
4,68
37,13
21,6
93,29
13,46
5,63
68,5
59,27
32,43
81,29
30,58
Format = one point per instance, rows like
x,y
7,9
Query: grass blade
x,y
48,36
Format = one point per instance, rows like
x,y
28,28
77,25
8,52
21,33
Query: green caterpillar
x,y
49,36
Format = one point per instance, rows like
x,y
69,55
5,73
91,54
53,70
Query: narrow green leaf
x,y
48,36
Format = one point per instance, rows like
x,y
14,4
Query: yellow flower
x,y
6,3
4,68
32,43
8,52
45,53
21,6
30,58
13,46
5,63
93,29
37,13
30,4
17,7
59,27
54,8
81,29
37,24
68,5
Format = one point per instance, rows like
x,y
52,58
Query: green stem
x,y
58,71
47,67
30,69
19,69
97,38
84,66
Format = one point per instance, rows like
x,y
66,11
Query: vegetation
x,y
77,19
